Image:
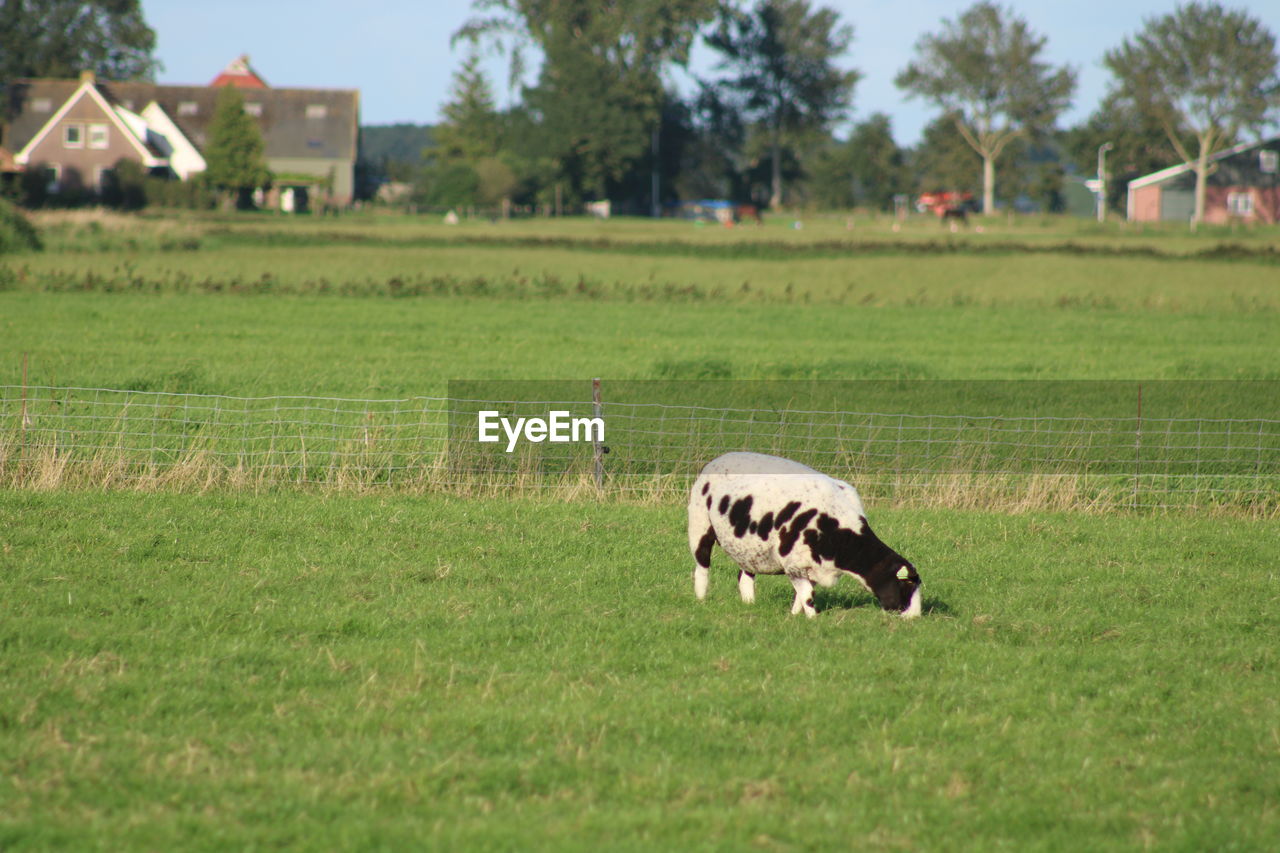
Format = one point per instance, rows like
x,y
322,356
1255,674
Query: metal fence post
x,y
597,446
1137,450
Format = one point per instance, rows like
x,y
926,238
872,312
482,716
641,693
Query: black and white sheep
x,y
773,516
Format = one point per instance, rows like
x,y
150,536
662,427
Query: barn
x,y
1243,186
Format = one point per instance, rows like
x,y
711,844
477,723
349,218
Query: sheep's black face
x,y
899,589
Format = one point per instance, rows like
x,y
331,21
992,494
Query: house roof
x,y
1183,168
240,73
294,122
86,88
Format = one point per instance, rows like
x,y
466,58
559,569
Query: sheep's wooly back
x,y
753,473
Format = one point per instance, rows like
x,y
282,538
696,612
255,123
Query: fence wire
x,y
54,435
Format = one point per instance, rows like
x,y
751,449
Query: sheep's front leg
x,y
747,586
804,597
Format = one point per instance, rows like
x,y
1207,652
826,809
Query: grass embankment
x,y
94,230
370,347
643,261
199,673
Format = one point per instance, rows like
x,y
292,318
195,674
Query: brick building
x,y
1243,186
75,131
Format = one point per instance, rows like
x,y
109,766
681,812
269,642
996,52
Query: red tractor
x,y
947,205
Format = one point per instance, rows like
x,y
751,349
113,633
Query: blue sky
x,y
397,52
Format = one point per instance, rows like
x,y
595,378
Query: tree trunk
x,y
988,184
1202,172
655,200
775,198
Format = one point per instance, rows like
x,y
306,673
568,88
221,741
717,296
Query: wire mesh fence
x,y
51,436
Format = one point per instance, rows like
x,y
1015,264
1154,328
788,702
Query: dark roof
x,y
294,122
25,122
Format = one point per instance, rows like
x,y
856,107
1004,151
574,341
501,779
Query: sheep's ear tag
x,y
903,573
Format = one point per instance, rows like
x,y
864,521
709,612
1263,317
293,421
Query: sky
x,y
397,52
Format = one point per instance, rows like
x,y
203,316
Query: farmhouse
x,y
1243,185
76,131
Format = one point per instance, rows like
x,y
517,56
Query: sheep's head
x,y
899,587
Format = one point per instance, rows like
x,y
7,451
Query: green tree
x,y
984,70
782,57
831,175
61,38
234,155
448,183
599,94
471,127
712,161
463,166
1046,185
867,170
877,164
1201,70
495,180
943,161
595,119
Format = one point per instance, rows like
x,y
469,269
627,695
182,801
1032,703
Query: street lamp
x,y
1102,180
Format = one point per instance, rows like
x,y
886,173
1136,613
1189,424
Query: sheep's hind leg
x,y
804,597
701,560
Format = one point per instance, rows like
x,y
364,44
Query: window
x,y
1269,162
99,136
1240,204
253,109
52,177
188,108
41,105
317,111
73,136
103,178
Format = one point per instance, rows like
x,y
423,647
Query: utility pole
x,y
1102,180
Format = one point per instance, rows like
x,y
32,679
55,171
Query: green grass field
x,y
195,672
365,670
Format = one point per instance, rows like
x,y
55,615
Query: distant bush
x,y
127,188
191,194
133,189
17,234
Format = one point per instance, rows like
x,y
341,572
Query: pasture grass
x,y
387,306
888,277
94,230
324,672
389,348
354,671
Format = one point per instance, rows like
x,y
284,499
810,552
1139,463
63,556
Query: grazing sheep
x,y
774,516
